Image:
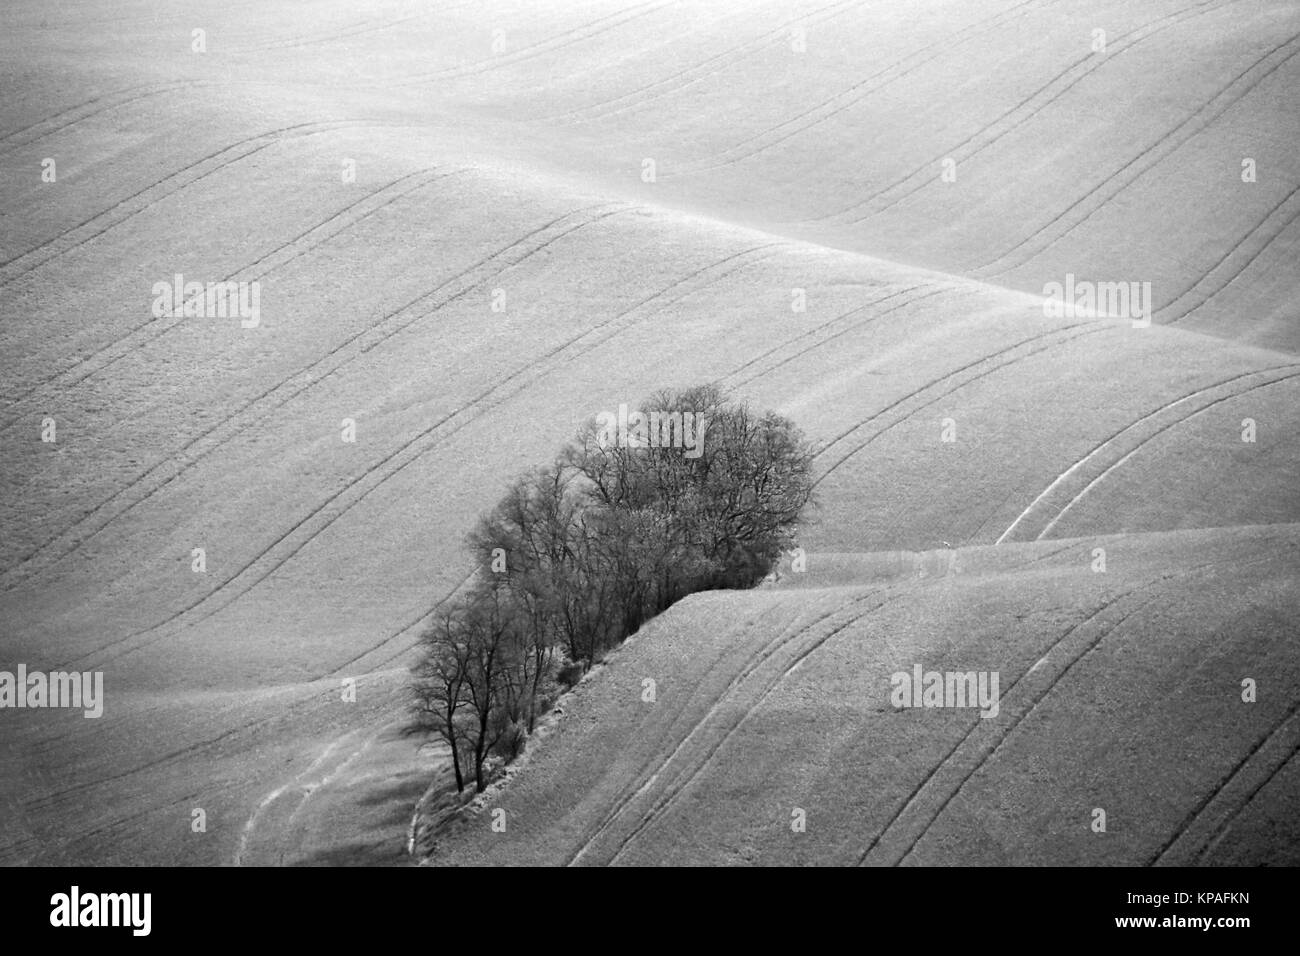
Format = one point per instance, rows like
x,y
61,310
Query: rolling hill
x,y
475,225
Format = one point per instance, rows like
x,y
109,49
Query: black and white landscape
x,y
293,292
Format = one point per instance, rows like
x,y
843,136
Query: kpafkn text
x,y
1164,899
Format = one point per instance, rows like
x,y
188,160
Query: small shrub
x,y
569,675
511,743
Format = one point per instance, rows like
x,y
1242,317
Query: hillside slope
x,y
1118,690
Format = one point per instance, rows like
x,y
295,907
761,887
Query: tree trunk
x,y
455,762
480,753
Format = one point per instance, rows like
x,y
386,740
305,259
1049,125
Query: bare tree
x,y
581,553
440,684
490,630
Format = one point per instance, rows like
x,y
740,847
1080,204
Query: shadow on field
x,y
360,854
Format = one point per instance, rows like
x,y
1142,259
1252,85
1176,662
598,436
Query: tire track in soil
x,y
335,506
1212,842
1149,438
155,328
853,96
102,222
594,112
830,338
1060,480
1088,646
1096,327
923,176
645,778
279,394
1245,266
1166,144
533,50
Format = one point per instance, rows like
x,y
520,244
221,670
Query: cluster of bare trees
x,y
578,554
